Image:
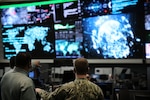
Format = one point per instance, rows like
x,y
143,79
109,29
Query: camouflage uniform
x,y
79,89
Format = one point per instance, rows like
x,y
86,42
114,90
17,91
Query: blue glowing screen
x,y
105,29
110,36
95,7
31,38
67,49
68,39
121,6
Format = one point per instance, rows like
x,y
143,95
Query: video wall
x,y
95,29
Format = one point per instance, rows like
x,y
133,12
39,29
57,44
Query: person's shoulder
x,y
7,74
24,79
94,86
27,82
68,84
27,79
92,83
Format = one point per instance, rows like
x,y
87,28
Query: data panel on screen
x,y
91,8
66,11
68,39
123,6
26,15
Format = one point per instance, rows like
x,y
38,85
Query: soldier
x,y
79,89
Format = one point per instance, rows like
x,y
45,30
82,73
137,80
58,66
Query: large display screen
x,y
28,29
112,36
95,29
36,39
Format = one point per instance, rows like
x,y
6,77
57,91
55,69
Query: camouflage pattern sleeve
x,y
44,94
58,94
62,92
80,89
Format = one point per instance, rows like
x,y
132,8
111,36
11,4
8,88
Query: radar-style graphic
x,y
109,36
95,7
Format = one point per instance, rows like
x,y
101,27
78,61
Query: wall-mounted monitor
x,y
26,15
68,39
28,27
112,37
36,39
94,29
113,29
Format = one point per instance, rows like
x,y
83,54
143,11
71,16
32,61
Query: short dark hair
x,y
23,59
81,66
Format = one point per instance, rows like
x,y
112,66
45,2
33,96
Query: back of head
x,y
23,60
81,66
